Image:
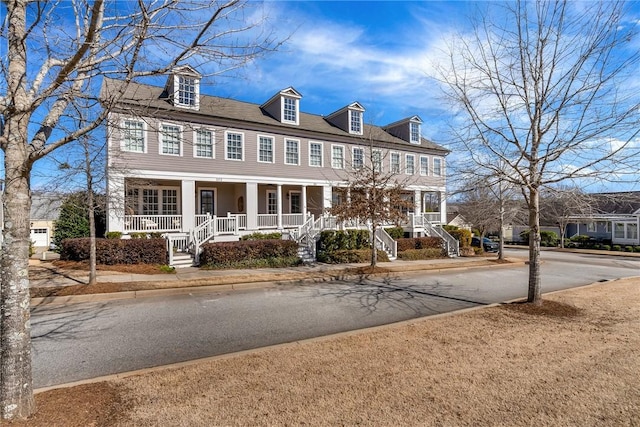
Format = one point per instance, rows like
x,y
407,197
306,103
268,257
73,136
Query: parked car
x,y
487,244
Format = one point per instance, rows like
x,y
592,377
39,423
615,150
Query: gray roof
x,y
46,207
624,202
153,100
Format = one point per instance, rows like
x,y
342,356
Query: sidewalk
x,y
192,279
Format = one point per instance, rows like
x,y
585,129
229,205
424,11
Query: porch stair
x,y
182,260
305,254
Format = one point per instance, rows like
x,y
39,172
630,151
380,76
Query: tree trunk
x,y
16,392
92,219
374,249
534,295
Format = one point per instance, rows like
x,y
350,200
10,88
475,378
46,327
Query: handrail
x,y
388,244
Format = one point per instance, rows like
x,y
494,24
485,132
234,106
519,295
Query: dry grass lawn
x,y
573,362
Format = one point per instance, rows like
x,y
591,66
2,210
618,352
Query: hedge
x,y
332,241
116,251
256,253
409,243
463,236
416,254
343,256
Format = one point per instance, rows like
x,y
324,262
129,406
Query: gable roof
x,y
148,100
624,202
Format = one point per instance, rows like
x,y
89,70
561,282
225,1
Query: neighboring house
x,y
512,233
202,168
617,219
457,220
45,209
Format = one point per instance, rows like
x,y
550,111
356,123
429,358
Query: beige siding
x,y
186,162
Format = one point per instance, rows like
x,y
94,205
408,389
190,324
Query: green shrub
x,y
547,238
332,241
628,248
263,236
116,251
417,254
616,248
580,238
409,243
395,232
138,235
167,269
463,236
606,247
343,256
248,253
636,248
114,235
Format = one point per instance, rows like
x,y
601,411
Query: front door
x,y
207,202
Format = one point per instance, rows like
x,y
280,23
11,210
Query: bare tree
x,y
76,44
544,94
371,195
558,205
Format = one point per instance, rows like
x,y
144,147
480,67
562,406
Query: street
x,y
88,340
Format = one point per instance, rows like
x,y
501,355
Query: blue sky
x,y
379,53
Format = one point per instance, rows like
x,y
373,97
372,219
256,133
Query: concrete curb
x,y
268,280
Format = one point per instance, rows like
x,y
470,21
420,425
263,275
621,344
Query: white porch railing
x,y
386,243
267,220
152,223
292,220
177,242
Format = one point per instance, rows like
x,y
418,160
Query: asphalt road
x,y
89,340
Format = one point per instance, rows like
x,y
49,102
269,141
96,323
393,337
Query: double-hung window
x,y
424,165
235,146
358,158
289,110
170,139
203,146
292,152
265,149
376,157
414,131
315,154
187,91
355,122
133,136
410,164
437,167
395,162
337,157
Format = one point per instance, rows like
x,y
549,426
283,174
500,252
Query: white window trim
x,y
226,146
144,136
176,92
351,131
406,164
343,156
440,170
158,188
373,166
297,104
321,154
391,154
273,148
215,199
160,136
411,140
266,201
420,166
290,198
353,157
297,141
195,143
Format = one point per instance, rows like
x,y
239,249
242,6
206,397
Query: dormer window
x,y
414,132
183,88
355,122
289,110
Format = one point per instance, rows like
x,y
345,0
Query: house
x,y
45,209
202,168
457,220
616,219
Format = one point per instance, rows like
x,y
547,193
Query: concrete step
x,y
182,260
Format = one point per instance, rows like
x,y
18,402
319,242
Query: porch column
x,y
115,203
327,197
443,208
417,201
251,203
279,197
188,205
303,201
